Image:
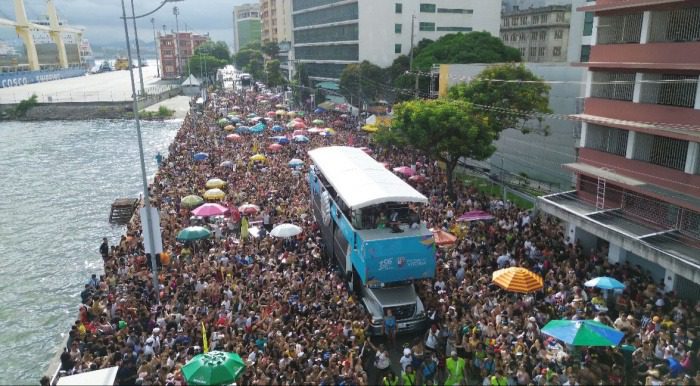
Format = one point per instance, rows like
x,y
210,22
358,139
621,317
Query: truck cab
x,y
401,299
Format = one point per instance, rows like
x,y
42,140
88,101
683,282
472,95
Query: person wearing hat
x,y
406,359
456,370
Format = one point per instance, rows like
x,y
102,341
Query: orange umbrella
x,y
443,238
517,279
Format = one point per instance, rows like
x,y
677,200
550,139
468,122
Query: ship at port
x,y
50,50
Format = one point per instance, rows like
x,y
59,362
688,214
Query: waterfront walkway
x,y
281,307
112,86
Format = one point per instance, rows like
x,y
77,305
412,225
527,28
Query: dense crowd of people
x,y
280,305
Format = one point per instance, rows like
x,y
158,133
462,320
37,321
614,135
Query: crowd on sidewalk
x,y
280,305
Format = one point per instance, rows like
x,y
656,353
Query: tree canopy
x,y
218,50
271,49
273,73
365,80
472,47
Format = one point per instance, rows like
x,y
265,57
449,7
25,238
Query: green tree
x,y
243,58
218,50
444,129
509,96
472,47
255,68
205,65
301,84
270,49
365,80
273,73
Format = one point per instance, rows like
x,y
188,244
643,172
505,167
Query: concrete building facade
x,y
247,27
276,19
541,34
638,159
176,49
330,34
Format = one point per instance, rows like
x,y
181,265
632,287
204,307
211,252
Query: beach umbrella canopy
x,y
271,113
251,115
325,133
517,279
291,113
605,282
214,194
258,157
257,128
222,122
300,138
280,112
209,209
331,130
586,333
280,106
475,215
226,164
294,162
236,108
243,130
405,170
275,147
283,141
285,230
200,156
191,201
277,128
443,238
229,127
193,233
215,183
313,130
299,132
370,128
234,138
318,122
249,209
299,125
327,105
233,118
319,110
213,368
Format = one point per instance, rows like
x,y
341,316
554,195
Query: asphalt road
x,y
107,86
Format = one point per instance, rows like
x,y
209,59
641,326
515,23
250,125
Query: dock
x,y
122,210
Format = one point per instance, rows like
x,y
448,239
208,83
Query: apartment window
x,y
678,25
559,34
397,48
456,10
619,29
607,139
662,151
543,35
585,53
556,51
533,35
506,22
560,17
427,7
669,89
544,18
522,51
533,51
542,51
523,20
588,24
515,21
398,8
514,37
424,26
505,37
535,19
613,85
522,36
397,28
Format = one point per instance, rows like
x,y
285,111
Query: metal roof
x,y
359,180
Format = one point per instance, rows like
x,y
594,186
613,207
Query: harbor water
x,y
59,179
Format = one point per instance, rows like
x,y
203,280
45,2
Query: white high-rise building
x,y
328,35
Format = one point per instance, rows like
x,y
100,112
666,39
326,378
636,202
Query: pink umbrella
x,y
271,113
417,178
298,119
249,209
234,138
405,170
275,147
209,209
314,130
475,215
299,132
299,125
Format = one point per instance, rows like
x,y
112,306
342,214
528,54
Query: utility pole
x,y
410,65
176,12
155,42
359,88
138,50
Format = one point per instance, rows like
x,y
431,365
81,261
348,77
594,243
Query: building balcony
x,y
651,56
678,122
662,182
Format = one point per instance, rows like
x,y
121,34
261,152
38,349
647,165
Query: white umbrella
x,y
285,230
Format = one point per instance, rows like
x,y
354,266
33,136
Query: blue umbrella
x,y
294,162
233,119
226,164
200,156
326,134
586,333
283,141
319,110
243,130
257,129
277,128
301,138
605,282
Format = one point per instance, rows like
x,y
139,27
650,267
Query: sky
x,y
101,18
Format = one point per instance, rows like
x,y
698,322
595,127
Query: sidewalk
x,y
180,103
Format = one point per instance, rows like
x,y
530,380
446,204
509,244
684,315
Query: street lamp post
x,y
138,50
155,43
176,12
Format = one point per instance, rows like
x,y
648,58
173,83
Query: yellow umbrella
x,y
258,157
214,194
291,113
215,183
517,279
330,130
281,112
370,128
229,127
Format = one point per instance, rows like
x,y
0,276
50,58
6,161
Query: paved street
x,y
108,86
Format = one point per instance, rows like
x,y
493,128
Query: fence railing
x,y
86,96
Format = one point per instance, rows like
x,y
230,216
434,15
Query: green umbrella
x,y
583,333
193,233
213,368
318,122
223,122
191,201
